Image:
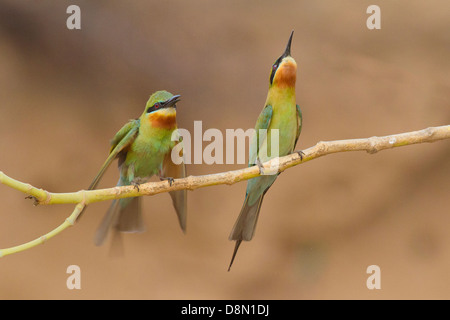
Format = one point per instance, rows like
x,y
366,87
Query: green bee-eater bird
x,y
143,148
283,114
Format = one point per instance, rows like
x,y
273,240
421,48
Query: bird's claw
x,y
136,185
301,154
170,179
260,166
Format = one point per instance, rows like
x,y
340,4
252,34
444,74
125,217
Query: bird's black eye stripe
x,y
156,106
274,69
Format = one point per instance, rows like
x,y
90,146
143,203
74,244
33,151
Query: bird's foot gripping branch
x,y
82,198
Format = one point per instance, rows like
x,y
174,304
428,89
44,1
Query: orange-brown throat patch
x,y
163,120
286,74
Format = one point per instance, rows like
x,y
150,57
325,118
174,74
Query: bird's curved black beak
x,y
171,102
287,52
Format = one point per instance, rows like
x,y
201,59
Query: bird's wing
x,y
299,123
263,122
121,141
179,198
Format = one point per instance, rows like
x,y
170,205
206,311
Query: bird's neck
x,y
163,119
280,94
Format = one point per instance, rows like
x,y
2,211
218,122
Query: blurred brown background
x,y
65,93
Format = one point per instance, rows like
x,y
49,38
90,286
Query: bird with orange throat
x,y
143,148
281,114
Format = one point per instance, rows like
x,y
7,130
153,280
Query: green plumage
x,y
279,113
143,149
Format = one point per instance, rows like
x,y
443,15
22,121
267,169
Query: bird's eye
x,y
154,107
274,67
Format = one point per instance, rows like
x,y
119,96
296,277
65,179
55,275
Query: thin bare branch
x,y
82,198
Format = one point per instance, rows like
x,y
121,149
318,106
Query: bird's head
x,y
160,111
284,70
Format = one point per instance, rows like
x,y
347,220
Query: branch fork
x,y
82,198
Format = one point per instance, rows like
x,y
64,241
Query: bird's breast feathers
x,y
163,119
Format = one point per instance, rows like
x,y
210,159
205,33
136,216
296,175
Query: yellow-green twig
x,y
67,223
82,198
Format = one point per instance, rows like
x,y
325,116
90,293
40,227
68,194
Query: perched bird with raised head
x,y
143,147
280,113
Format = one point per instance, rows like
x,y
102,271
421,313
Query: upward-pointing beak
x,y
287,52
